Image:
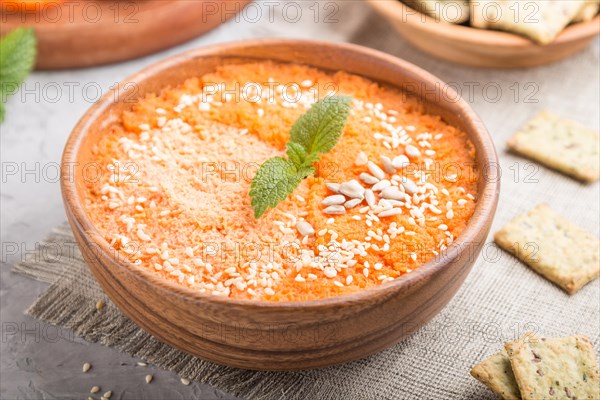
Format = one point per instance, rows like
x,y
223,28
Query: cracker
x,y
496,373
588,11
553,247
555,368
540,20
560,144
453,11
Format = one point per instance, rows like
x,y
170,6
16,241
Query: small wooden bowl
x,y
292,335
480,47
85,33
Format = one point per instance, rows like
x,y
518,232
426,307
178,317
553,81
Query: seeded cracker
x,y
560,144
553,247
496,373
541,20
555,368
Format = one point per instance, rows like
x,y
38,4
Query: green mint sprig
x,y
17,58
316,132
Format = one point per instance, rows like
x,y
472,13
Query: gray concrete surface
x,y
35,364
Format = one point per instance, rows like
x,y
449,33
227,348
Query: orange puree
x,y
180,162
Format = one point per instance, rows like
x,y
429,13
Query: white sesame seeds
x,y
335,210
461,202
352,203
379,186
95,389
349,279
335,199
352,189
334,187
370,197
390,213
376,171
412,151
361,159
409,186
149,378
392,193
86,367
387,165
368,178
400,161
443,227
269,291
330,272
338,283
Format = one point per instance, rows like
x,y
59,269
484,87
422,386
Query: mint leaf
x,y
17,58
319,129
296,153
274,181
314,133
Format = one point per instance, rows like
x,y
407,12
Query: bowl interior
x,y
437,97
403,14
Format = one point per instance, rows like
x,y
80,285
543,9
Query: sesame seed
x,y
269,291
412,151
322,232
95,389
335,210
376,171
149,378
361,159
86,367
379,186
334,187
368,178
99,305
336,199
390,213
338,283
461,202
107,394
443,227
305,228
400,161
352,203
352,189
349,279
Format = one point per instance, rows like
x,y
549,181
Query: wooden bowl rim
x,y
484,209
397,10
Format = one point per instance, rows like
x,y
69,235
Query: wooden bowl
x,y
292,335
86,33
480,47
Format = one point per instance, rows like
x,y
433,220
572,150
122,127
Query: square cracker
x,y
588,11
560,144
540,20
553,247
496,373
562,368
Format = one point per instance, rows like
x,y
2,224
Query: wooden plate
x,y
480,47
84,33
290,335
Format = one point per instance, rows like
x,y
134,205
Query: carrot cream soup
x,y
396,189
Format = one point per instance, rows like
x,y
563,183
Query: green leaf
x,y
315,132
319,129
296,153
17,58
274,181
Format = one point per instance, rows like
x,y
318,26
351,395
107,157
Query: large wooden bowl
x,y
480,47
92,32
292,335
